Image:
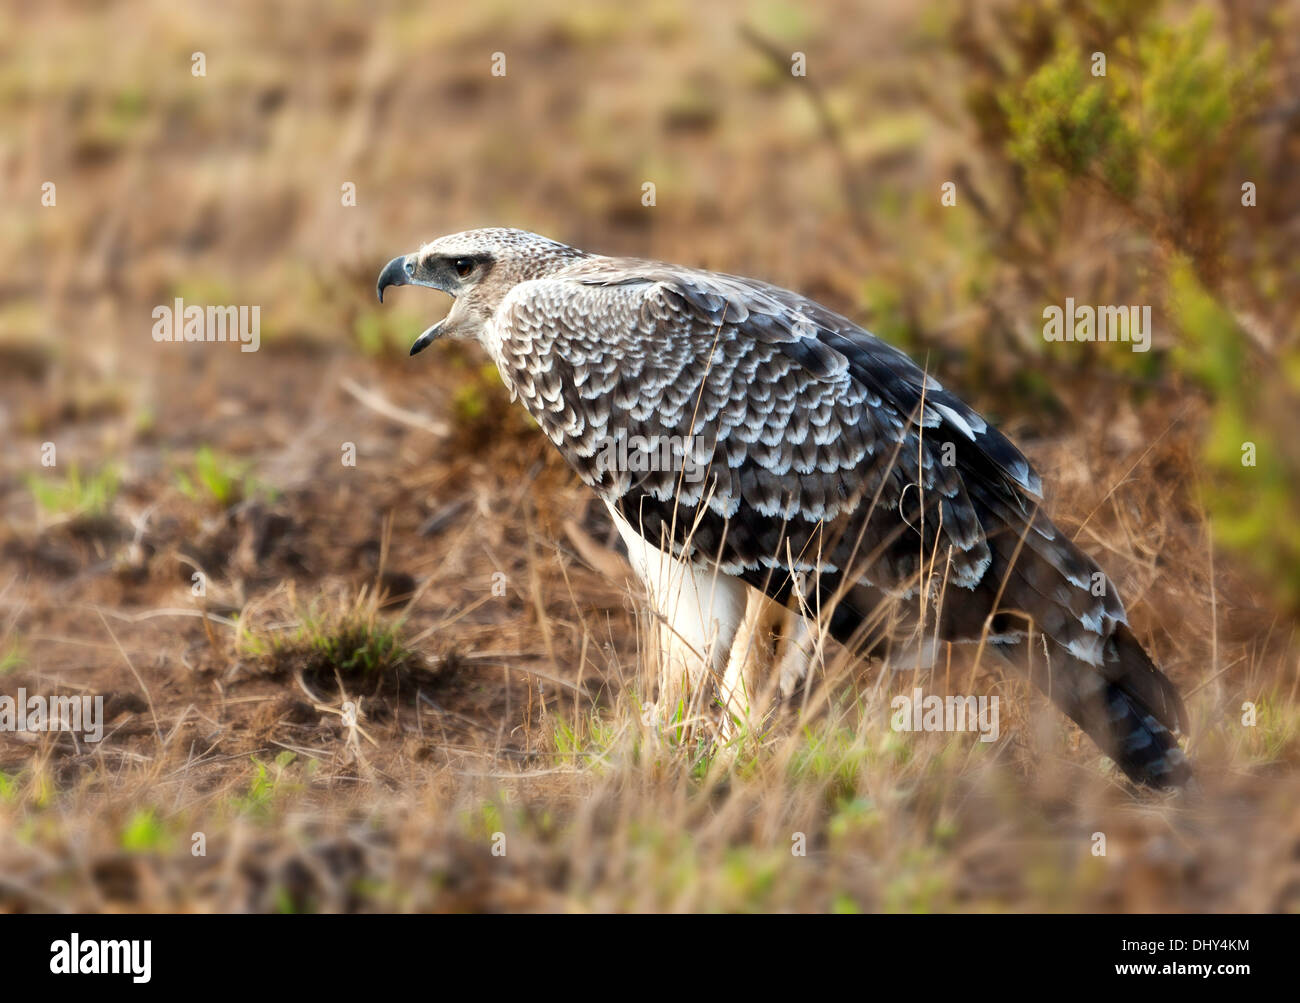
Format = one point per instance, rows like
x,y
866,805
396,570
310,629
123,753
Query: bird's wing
x,y
796,422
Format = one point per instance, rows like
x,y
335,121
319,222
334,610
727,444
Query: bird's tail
x,y
1087,660
1128,706
1040,601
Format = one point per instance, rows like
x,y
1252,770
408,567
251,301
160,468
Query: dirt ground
x,y
335,686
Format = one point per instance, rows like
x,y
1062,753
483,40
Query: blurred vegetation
x,y
144,832
350,642
77,493
12,656
222,479
1147,166
270,784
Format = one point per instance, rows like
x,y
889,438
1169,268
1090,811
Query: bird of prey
x,y
751,444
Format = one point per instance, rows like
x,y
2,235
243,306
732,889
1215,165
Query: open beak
x,y
426,339
396,273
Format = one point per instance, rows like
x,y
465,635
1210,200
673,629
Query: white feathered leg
x,y
747,677
796,655
699,612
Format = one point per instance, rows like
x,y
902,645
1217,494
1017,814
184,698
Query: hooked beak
x,y
398,273
394,274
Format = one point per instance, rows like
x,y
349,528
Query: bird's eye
x,y
463,266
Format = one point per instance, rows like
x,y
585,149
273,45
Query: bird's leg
x,y
701,613
744,690
697,612
796,653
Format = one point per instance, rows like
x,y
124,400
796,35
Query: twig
x,y
126,658
391,411
849,178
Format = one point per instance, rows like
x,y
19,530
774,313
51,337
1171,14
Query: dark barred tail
x,y
1128,706
1142,747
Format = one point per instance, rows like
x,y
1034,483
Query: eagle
x,y
773,467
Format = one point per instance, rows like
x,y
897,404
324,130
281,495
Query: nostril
x,y
409,268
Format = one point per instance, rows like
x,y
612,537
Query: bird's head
x,y
477,268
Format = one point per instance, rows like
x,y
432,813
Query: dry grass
x,y
394,662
